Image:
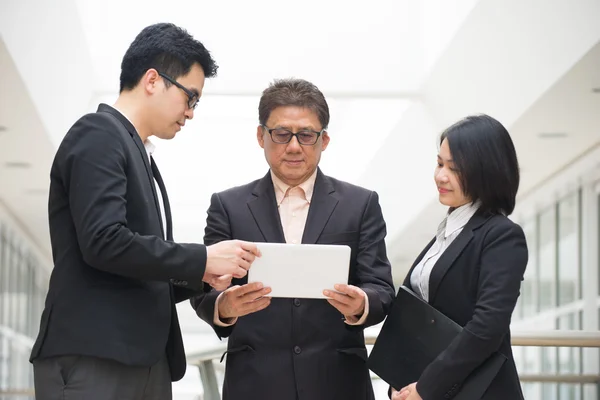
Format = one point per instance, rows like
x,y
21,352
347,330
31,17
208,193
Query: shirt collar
x,y
459,217
150,147
282,189
123,114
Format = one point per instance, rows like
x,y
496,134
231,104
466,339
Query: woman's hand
x,y
406,393
395,394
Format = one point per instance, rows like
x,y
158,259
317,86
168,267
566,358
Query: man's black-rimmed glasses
x,y
305,137
192,97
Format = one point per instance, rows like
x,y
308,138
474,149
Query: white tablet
x,y
300,270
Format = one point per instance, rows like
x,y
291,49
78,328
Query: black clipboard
x,y
412,336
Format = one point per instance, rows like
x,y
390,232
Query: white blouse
x,y
447,231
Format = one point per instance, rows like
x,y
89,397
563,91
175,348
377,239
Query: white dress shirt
x,y
447,231
150,148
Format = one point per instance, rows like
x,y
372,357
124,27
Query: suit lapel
x,y
321,207
264,210
446,261
140,146
417,261
165,197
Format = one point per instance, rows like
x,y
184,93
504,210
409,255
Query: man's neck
x,y
127,105
310,179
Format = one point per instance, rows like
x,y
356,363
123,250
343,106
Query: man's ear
x,y
150,81
260,136
324,140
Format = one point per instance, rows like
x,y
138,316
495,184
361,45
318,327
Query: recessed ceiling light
x,y
553,135
3,128
17,164
596,90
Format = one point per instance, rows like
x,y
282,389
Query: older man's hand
x,y
350,300
238,301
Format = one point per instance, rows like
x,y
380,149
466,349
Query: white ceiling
x,y
569,107
253,42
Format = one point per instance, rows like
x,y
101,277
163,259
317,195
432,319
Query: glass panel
x,y
12,268
549,390
529,296
19,292
547,259
531,365
549,367
3,283
568,250
31,297
569,359
4,361
10,263
23,285
531,390
569,391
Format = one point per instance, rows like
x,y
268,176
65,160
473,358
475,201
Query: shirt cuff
x,y
353,319
217,321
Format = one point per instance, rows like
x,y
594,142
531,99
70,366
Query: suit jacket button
x,y
297,349
297,302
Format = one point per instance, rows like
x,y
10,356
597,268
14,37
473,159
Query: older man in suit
x,y
289,349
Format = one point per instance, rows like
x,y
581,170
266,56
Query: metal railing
x,y
18,393
204,359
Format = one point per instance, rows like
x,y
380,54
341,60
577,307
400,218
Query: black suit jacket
x,y
302,348
110,292
476,283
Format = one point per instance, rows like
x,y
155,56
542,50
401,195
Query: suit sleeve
x,y
373,268
184,293
217,229
502,265
94,176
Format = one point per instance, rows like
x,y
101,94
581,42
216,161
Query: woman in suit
x,y
472,270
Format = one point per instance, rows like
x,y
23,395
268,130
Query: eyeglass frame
x,y
191,95
270,131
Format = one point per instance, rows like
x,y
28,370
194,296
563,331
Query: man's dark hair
x,y
486,160
293,92
166,48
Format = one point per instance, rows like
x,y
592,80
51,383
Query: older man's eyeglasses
x,y
192,97
305,137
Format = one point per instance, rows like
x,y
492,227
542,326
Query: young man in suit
x,y
289,349
109,329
